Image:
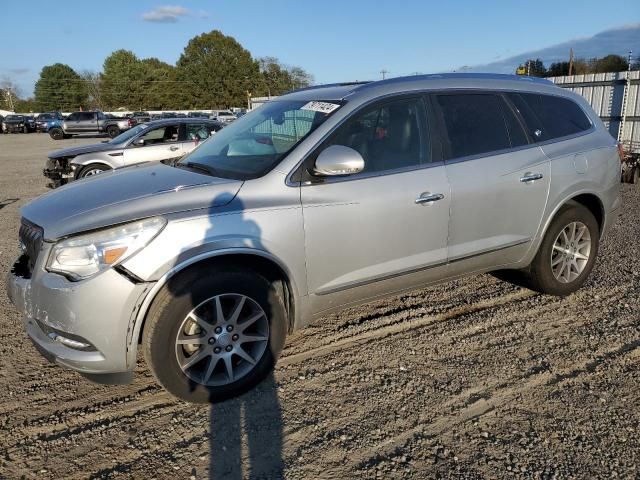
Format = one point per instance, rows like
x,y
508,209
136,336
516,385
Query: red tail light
x,y
131,122
620,152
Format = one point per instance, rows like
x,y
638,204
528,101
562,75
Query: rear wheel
x,y
113,131
56,133
211,335
566,255
92,169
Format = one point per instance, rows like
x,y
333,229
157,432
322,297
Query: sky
x,y
333,40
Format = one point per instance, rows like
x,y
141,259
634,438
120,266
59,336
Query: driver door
x,y
161,143
375,232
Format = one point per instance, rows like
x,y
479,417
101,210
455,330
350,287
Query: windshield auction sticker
x,y
323,107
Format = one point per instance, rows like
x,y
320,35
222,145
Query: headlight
x,y
85,255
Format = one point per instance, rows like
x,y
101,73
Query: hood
x,y
92,148
120,196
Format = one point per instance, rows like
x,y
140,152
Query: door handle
x,y
428,198
530,177
173,148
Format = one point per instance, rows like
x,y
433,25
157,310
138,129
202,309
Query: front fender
x,y
188,259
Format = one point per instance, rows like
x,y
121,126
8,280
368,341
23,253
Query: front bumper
x,y
98,312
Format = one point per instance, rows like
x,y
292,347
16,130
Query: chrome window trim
x,y
423,92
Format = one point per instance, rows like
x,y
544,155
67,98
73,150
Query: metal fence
x,y
606,94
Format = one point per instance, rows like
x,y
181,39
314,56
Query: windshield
x,y
129,134
257,142
46,116
14,117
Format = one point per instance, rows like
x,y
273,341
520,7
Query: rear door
x,y
375,231
499,178
160,143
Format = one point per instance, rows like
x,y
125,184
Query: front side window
x,y
254,144
388,136
86,116
165,134
474,123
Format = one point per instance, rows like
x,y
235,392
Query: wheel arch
x,y
262,262
588,199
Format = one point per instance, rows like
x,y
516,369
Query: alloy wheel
x,y
222,339
571,251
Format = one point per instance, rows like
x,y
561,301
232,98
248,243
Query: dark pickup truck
x,y
90,122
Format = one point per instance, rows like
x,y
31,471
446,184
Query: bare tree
x,y
93,84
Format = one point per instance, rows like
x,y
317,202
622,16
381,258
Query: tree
x,y
216,71
60,88
278,78
123,81
28,105
162,91
533,68
93,84
610,63
300,78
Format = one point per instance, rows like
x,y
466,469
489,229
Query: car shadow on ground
x,y
246,435
245,432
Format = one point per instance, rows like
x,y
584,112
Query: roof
x,y
441,80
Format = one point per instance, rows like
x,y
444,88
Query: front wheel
x,y
212,335
113,131
56,133
566,255
92,169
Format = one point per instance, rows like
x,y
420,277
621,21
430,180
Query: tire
x,y
25,129
92,169
56,133
197,290
541,276
113,131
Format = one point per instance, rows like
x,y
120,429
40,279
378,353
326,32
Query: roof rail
x,y
477,76
329,85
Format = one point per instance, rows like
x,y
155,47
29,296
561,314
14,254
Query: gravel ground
x,y
471,379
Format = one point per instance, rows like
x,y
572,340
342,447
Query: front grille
x,y
31,237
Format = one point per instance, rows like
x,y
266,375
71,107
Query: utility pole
x,y
571,61
11,107
625,98
528,67
384,73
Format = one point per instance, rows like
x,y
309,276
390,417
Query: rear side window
x,y
548,117
474,123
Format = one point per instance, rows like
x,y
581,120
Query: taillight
x,y
131,122
620,152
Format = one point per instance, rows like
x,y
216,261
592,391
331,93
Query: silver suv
x,y
325,198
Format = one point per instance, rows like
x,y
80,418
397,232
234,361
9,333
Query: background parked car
x,y
46,120
162,140
18,124
90,122
224,116
141,117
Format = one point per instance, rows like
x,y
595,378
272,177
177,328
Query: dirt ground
x,y
471,379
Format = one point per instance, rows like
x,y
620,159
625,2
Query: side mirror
x,y
139,142
338,160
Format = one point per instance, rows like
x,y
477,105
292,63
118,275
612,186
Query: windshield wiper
x,y
201,167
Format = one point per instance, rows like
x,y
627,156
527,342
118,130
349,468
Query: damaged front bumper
x,y
87,325
59,171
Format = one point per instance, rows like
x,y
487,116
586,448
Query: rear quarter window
x,y
549,117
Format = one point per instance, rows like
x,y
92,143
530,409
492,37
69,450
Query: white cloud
x,y
166,14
